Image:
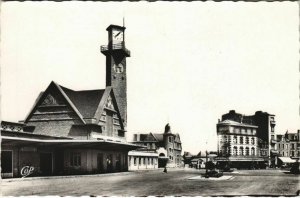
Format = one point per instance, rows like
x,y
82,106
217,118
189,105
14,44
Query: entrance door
x,y
109,164
6,164
100,168
46,163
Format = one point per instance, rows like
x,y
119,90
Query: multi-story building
x,y
288,145
265,132
167,145
71,132
238,143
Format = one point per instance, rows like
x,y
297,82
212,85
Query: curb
x,y
64,176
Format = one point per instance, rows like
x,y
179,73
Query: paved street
x,y
176,182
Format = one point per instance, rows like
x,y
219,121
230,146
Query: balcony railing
x,y
273,141
118,46
273,151
273,123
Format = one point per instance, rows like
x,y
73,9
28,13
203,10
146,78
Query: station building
x,y
74,132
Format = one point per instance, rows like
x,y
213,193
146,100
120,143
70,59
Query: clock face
x,y
117,35
119,68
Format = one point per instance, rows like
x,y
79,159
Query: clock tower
x,y
116,54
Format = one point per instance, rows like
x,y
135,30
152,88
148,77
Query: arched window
x,y
241,150
252,151
235,150
247,151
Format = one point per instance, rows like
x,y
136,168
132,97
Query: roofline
x,y
237,124
115,26
34,134
64,95
66,141
12,123
70,102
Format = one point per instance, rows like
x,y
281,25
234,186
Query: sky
x,y
190,62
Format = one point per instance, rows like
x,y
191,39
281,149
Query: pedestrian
x,y
165,170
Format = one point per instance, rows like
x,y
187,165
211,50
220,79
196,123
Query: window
x,y
241,140
241,151
121,133
247,140
252,140
148,161
134,161
75,159
140,161
103,118
235,150
151,161
234,139
6,161
252,151
170,150
170,139
153,145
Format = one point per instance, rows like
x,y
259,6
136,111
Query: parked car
x,y
213,173
295,168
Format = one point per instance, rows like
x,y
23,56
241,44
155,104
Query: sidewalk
x,y
64,176
88,175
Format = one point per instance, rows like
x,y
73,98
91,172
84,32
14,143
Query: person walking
x,y
165,170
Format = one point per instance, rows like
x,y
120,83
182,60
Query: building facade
x,y
288,145
74,132
238,143
141,160
167,145
264,124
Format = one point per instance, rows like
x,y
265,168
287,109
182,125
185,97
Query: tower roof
x,y
115,26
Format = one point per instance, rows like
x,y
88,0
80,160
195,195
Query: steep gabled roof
x,y
177,138
86,101
150,138
87,104
43,95
158,136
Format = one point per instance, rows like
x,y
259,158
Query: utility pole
x,y
206,159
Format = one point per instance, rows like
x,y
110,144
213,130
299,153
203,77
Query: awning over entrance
x,y
286,160
69,143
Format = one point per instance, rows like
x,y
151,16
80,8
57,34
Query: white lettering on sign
x,y
27,170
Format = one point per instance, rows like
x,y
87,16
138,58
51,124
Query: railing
x,y
273,151
117,46
273,123
273,141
